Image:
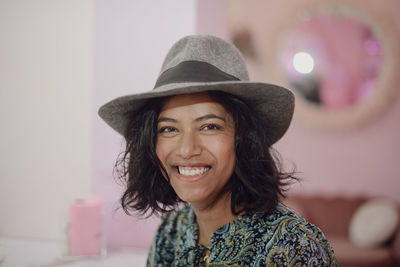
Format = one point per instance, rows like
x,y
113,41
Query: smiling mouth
x,y
192,171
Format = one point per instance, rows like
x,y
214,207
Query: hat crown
x,y
209,49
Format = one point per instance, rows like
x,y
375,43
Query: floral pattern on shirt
x,y
282,238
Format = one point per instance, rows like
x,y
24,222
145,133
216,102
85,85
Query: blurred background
x,y
61,60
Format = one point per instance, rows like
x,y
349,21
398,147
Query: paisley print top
x,y
282,238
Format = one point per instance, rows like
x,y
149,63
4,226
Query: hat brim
x,y
276,103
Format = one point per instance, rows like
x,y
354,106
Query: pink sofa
x,y
333,216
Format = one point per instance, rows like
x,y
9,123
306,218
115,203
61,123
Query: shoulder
x,y
296,241
169,236
280,238
173,224
175,221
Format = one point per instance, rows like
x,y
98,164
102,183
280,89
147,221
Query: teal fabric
x,y
282,238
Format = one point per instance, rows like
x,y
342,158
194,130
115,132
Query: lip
x,y
191,178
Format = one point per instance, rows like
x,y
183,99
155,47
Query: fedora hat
x,y
200,63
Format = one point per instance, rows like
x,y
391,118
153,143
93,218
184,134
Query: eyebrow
x,y
202,118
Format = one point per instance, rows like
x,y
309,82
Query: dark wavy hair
x,y
257,183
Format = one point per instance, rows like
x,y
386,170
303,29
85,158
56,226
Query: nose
x,y
189,145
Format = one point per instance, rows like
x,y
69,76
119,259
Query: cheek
x,y
159,152
226,153
162,150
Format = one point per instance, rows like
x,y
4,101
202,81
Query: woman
x,y
198,151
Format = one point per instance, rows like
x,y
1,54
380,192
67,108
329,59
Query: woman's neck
x,y
212,218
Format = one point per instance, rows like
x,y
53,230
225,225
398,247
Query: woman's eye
x,y
167,130
209,127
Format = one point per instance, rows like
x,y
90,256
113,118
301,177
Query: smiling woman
x,y
203,138
196,146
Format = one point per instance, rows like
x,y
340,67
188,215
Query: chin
x,y
191,197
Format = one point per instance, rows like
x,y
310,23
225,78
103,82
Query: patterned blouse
x,y
282,238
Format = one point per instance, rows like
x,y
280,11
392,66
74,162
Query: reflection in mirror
x,y
332,60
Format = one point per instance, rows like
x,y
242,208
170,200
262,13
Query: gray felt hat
x,y
200,63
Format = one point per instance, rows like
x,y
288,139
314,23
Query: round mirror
x,y
339,63
332,61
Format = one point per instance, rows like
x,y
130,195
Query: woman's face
x,y
196,145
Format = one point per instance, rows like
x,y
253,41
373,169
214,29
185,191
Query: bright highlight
x,y
303,62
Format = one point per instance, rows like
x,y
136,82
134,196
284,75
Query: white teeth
x,y
191,171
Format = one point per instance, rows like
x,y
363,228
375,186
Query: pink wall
x,y
131,39
365,160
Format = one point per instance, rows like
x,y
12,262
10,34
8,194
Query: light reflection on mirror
x,y
332,60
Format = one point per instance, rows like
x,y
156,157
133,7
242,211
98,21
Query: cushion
x,y
373,223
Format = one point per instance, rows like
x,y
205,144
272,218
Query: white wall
x,y
45,114
53,53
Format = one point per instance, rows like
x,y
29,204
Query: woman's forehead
x,y
185,102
